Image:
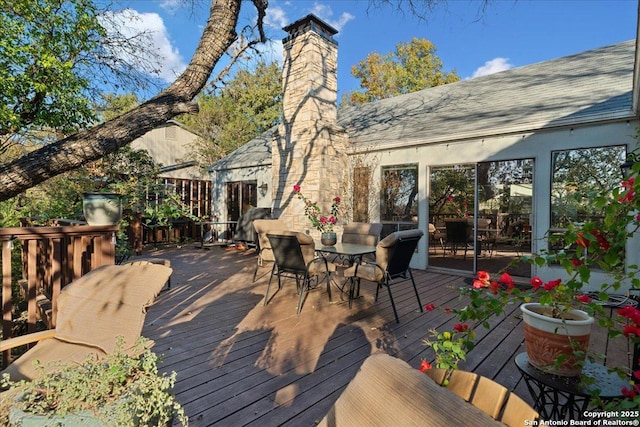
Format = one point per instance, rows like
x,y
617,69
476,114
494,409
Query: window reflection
x,y
399,198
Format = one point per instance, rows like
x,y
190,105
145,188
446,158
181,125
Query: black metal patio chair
x,y
393,255
294,255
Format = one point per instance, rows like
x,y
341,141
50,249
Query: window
x,y
576,175
399,198
361,176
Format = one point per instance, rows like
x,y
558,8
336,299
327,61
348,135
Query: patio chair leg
x,y
352,285
393,304
303,292
415,289
266,297
255,273
328,277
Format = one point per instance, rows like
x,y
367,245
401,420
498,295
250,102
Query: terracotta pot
x,y
328,239
547,338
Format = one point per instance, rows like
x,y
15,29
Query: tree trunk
x,y
90,145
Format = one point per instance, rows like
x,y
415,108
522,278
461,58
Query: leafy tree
x,y
113,105
412,67
88,145
243,108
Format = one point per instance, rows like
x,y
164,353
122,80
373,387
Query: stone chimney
x,y
310,150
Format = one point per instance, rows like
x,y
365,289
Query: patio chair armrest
x,y
10,343
361,263
326,263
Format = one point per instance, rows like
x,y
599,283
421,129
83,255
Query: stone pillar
x,y
310,150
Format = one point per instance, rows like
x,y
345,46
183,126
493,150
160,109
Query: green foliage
x,y
114,105
121,390
412,67
451,347
242,109
43,46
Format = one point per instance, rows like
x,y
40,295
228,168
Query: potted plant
x,y
579,250
323,223
123,389
102,208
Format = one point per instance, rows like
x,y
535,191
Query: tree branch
x,y
92,144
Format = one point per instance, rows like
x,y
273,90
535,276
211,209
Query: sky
x,y
470,40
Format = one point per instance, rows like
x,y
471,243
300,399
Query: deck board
x,y
239,363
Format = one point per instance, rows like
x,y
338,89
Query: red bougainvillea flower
x,y
536,282
602,242
552,284
482,281
333,219
450,199
577,262
477,284
581,240
461,327
429,307
337,199
494,287
448,310
506,279
630,193
584,298
425,366
636,374
631,392
631,313
483,275
631,330
296,188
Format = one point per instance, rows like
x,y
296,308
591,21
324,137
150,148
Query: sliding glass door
x,y
480,216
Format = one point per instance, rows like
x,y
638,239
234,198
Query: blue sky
x,y
506,34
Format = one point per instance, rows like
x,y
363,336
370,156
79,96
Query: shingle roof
x,y
581,88
256,152
592,85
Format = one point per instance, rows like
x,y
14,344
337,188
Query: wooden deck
x,y
239,363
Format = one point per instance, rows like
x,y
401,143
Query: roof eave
x,y
530,127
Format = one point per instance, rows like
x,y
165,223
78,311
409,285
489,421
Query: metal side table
x,y
565,398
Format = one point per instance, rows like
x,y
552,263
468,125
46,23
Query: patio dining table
x,y
351,252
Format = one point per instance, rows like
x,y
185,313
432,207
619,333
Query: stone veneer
x,y
310,150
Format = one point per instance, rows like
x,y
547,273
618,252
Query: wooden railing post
x,y
51,258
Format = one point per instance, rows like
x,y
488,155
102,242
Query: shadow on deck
x,y
240,363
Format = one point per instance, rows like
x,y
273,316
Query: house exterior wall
x,y
535,145
170,145
259,174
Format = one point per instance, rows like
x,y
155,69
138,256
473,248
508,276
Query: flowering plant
x,y
322,223
578,250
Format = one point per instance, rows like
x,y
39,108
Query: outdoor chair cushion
x,y
388,392
362,233
262,227
93,311
373,273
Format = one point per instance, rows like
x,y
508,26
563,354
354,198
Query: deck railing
x,y
52,257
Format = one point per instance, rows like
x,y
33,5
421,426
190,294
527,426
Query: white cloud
x,y
325,13
171,5
276,17
494,66
155,53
